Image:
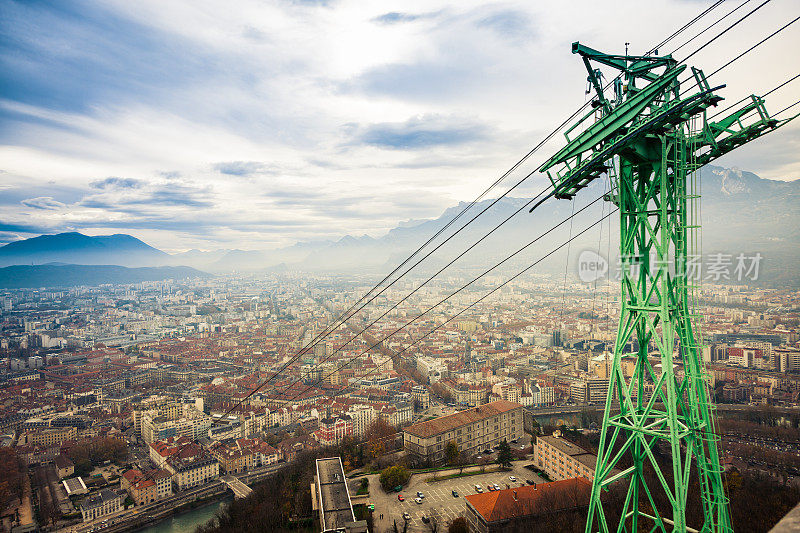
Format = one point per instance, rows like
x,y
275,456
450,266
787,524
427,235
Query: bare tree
x,y
435,520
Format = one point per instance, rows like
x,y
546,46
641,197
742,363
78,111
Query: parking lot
x,y
439,502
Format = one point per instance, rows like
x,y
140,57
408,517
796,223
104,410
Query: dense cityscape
x,y
126,401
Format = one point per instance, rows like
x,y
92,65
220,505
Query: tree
x,y
459,525
451,453
504,454
95,451
11,469
394,476
442,392
433,520
378,439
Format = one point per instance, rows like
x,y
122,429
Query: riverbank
x,y
197,507
187,521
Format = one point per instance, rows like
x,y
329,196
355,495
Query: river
x,y
188,521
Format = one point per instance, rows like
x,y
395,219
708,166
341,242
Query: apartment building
x,y
155,406
508,391
263,453
591,390
397,414
422,397
362,415
472,430
237,456
188,463
333,429
104,503
157,427
192,466
48,437
542,394
562,459
232,459
147,488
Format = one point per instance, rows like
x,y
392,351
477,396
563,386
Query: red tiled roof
x,y
531,500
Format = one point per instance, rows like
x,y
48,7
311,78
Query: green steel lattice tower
x,y
650,140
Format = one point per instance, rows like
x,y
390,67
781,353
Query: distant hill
x,y
77,248
59,275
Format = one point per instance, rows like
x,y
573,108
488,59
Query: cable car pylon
x,y
650,141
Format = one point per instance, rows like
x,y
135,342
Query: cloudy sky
x,y
255,124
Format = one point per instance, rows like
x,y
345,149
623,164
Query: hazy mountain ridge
x,y
741,213
76,248
60,275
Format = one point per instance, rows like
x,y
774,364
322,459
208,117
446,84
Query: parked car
x,y
455,494
490,487
425,519
420,494
478,488
400,497
406,516
512,478
496,486
418,500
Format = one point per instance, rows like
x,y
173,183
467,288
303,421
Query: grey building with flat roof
x,y
331,498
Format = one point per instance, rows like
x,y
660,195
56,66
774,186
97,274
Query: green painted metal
x,y
650,143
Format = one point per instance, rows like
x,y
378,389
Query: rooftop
x,y
334,496
96,500
568,448
62,461
531,500
462,418
74,484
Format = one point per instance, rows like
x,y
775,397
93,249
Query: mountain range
x,y
76,248
741,213
58,275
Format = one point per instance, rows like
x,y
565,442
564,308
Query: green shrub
x,y
394,476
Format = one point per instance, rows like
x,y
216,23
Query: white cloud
x,y
269,123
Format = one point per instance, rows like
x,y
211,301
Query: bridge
x,y
240,490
